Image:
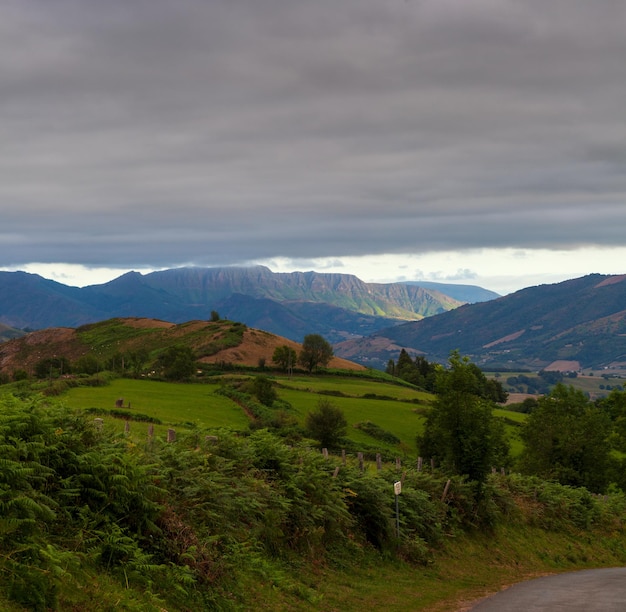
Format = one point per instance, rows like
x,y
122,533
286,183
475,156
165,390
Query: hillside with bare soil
x,y
221,342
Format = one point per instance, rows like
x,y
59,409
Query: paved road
x,y
602,590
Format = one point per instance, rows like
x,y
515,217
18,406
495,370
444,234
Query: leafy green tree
x,y
284,357
215,316
87,364
264,390
327,424
316,351
566,439
177,363
52,367
136,361
461,432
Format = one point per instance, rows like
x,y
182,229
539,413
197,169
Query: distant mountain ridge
x,y
470,294
9,333
582,321
339,306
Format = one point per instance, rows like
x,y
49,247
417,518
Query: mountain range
x,y
579,323
338,306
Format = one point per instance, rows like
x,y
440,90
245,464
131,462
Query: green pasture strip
x,y
399,418
511,430
171,403
518,417
353,387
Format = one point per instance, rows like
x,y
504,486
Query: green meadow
x,y
173,403
397,409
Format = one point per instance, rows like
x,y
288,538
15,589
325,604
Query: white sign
x,y
397,488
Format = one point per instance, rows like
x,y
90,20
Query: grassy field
x,y
186,407
177,405
356,387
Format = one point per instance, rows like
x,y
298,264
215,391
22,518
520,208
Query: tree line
x,y
566,437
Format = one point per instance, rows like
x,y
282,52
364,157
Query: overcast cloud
x,y
152,133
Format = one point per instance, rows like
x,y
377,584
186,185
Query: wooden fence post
x,y
171,435
445,490
379,462
360,458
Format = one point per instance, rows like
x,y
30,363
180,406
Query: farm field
x,y
354,386
175,404
186,407
399,418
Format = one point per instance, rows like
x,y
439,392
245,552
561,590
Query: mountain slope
x,y
581,320
469,294
296,319
28,300
8,333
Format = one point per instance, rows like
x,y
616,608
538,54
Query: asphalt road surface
x,y
601,590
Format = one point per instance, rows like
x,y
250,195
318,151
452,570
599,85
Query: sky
x,y
472,141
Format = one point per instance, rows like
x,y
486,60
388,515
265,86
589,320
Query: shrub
x,y
327,424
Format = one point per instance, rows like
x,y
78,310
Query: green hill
x,y
136,343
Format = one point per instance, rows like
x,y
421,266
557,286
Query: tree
x,y
177,363
87,364
461,432
566,439
264,390
315,352
327,424
419,372
52,367
215,316
284,357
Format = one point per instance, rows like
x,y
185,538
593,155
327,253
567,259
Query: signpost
x,y
397,489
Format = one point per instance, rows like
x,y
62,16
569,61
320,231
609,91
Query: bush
x,y
327,424
375,431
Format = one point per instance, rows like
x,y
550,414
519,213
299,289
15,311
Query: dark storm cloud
x,y
212,132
